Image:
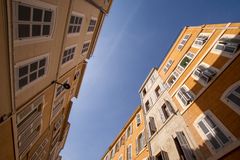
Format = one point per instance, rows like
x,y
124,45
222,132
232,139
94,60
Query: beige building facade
x,y
45,48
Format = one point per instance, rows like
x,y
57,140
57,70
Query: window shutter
x,y
185,146
169,106
152,124
137,140
164,155
162,115
131,129
144,140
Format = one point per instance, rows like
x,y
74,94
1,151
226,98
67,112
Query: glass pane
x,y
42,62
24,13
73,50
23,71
76,20
23,30
74,29
46,30
36,30
37,14
33,76
220,47
80,20
65,53
70,29
78,28
41,72
22,82
234,99
203,127
221,136
185,62
47,16
210,122
213,141
229,49
34,66
72,19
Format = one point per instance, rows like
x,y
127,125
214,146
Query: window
x,y
152,126
129,152
138,119
183,42
166,111
168,65
204,74
147,106
185,61
77,74
140,143
112,153
30,72
68,54
41,150
107,157
184,150
75,24
232,97
117,147
85,47
172,78
57,106
200,41
228,45
33,21
129,131
185,96
29,124
144,92
92,25
211,131
120,158
157,91
60,88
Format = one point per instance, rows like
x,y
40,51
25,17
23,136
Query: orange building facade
x,y
201,74
130,144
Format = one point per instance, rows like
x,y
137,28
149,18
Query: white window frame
x,y
168,65
144,141
130,145
180,101
140,119
228,91
92,18
184,39
201,34
224,53
67,48
188,56
203,83
78,14
37,4
28,62
175,74
219,124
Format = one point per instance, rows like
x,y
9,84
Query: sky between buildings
x,y
135,37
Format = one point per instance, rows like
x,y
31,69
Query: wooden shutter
x,y
185,146
162,115
164,155
169,106
137,144
152,124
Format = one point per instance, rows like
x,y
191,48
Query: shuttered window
x,y
138,119
215,136
166,111
187,151
201,40
152,126
140,142
204,74
29,125
228,45
233,98
129,152
185,96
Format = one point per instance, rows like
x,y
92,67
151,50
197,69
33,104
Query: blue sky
x,y
135,37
